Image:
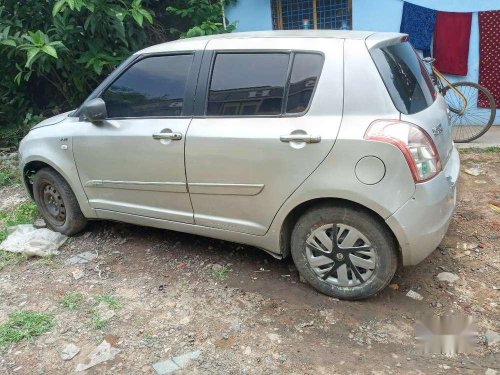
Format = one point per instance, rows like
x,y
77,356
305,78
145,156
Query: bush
x,y
55,52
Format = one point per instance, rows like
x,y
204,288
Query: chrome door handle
x,y
171,136
301,138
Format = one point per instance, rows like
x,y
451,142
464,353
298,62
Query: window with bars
x,y
312,14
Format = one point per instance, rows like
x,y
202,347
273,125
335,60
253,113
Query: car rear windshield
x,y
405,77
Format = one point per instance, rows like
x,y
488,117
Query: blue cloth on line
x,y
418,22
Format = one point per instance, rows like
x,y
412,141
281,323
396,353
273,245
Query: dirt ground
x,y
258,318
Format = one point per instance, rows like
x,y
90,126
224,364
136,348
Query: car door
x,y
268,122
133,162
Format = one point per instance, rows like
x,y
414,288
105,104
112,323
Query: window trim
x,y
207,73
191,83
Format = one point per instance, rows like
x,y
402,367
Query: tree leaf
x,y
49,50
138,17
57,7
8,42
147,15
32,53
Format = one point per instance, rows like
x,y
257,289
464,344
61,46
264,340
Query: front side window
x,y
152,87
248,84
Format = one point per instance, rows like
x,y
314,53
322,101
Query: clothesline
x,y
459,6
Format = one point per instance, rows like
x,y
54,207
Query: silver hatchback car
x,y
331,146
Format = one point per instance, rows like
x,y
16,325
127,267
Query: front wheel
x,y
477,116
344,252
57,202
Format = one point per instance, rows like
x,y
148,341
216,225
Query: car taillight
x,y
414,142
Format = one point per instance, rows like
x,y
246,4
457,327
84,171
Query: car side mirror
x,y
94,110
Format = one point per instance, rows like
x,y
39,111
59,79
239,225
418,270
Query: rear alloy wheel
x,y
344,253
57,203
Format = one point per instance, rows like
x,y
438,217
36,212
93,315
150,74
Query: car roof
x,y
199,43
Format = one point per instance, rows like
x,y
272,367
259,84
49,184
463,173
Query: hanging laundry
x,y
451,42
418,23
489,55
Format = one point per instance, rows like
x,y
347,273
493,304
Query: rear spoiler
x,y
380,40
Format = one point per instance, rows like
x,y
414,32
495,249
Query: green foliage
x,y
112,302
72,300
205,17
10,259
25,213
24,325
221,273
55,52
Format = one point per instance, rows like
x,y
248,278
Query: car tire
x,y
361,264
57,203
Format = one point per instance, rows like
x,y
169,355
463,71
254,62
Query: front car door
x,y
133,162
269,118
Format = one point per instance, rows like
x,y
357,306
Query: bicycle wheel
x,y
474,121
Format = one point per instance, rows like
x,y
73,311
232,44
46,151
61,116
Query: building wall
x,y
371,15
251,15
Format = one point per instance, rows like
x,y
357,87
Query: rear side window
x,y
152,87
405,77
305,73
248,84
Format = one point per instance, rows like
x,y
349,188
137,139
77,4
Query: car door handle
x,y
301,138
171,136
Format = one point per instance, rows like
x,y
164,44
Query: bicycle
x,y
469,121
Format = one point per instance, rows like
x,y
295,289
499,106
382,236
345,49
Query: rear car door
x,y
133,162
267,119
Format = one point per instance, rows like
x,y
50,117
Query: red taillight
x,y
414,142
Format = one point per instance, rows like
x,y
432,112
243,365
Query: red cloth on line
x,y
451,42
489,55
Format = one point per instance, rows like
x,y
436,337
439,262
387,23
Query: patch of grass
x,y
10,259
111,301
220,273
25,213
478,150
25,325
7,178
97,321
72,300
49,261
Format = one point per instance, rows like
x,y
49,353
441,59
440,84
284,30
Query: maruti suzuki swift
x,y
329,146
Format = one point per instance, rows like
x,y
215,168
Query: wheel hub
x,y
341,255
54,204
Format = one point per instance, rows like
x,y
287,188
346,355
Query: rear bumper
x,y
421,223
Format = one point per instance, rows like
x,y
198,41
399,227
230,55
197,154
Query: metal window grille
x,y
311,14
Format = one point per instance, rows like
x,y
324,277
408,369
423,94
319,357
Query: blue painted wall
x,y
252,15
385,15
375,15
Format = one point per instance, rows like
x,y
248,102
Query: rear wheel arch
x,y
294,215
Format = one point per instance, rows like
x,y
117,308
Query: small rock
x,y
436,304
104,312
216,267
300,326
490,371
78,274
176,363
474,171
414,295
448,277
492,337
102,353
81,258
273,337
39,223
394,286
69,351
302,280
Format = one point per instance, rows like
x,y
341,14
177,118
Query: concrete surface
x,y
490,139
